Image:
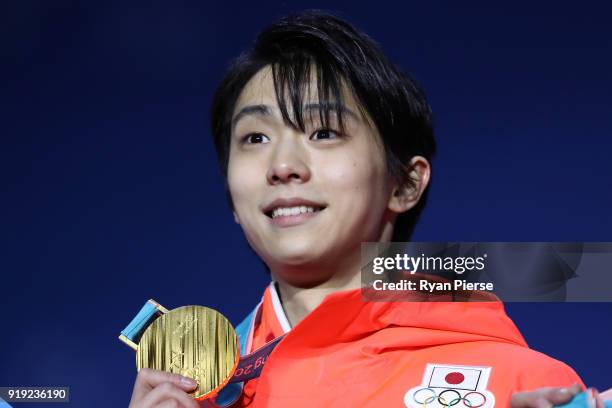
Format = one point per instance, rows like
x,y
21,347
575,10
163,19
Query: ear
x,y
408,194
236,219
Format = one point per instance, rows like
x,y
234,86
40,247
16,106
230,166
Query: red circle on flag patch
x,y
454,378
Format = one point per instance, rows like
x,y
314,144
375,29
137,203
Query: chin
x,y
303,278
295,259
296,250
303,270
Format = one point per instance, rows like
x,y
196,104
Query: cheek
x,y
359,179
240,182
359,187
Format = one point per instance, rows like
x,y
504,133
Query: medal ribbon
x,y
250,365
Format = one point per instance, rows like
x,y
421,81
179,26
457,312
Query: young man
x,y
325,144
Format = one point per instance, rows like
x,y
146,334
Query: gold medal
x,y
193,341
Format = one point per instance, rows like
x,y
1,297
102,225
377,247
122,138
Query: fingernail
x,y
573,389
188,381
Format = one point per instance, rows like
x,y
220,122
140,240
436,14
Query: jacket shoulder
x,y
534,369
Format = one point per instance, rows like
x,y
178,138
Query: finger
x,y
558,396
606,395
596,397
531,399
544,397
171,403
168,391
147,379
526,399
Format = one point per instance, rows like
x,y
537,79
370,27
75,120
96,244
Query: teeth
x,y
287,211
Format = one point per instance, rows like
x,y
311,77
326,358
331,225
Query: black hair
x,y
341,56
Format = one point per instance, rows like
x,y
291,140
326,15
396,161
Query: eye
x,y
324,134
255,138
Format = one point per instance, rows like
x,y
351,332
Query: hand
x,y
550,396
160,389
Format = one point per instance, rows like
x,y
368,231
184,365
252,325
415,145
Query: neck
x,y
300,298
299,302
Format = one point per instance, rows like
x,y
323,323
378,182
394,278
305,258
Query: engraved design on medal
x,y
193,341
194,372
184,327
175,360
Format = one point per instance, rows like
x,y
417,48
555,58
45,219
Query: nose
x,y
288,162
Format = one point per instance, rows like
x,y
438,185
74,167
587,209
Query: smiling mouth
x,y
293,211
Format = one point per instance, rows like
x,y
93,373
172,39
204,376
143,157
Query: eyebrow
x,y
265,110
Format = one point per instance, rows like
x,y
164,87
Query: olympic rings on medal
x,y
432,396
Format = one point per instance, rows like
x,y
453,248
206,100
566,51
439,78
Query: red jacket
x,y
352,353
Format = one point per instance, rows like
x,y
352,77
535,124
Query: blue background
x,y
111,193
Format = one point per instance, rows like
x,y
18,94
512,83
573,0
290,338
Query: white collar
x,y
278,309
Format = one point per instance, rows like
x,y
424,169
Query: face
x,y
306,200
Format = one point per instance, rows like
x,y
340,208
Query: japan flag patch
x,y
452,386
